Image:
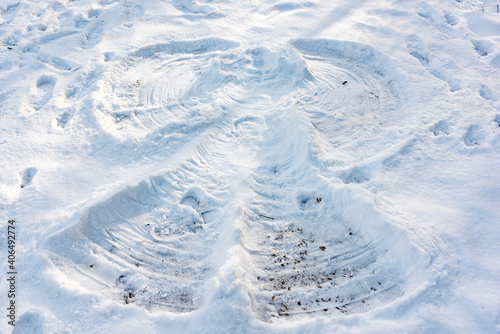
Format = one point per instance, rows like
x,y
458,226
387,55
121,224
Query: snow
x,y
204,166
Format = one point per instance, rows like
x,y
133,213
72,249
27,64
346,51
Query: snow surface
x,y
183,166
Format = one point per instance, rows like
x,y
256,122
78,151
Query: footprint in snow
x,y
474,136
29,322
497,120
44,91
418,49
441,128
27,176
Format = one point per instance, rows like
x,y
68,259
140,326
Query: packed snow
x,y
206,166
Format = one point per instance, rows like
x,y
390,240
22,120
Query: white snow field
x,y
218,166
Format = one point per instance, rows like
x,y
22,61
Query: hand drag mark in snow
x,y
149,245
162,83
354,101
306,262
